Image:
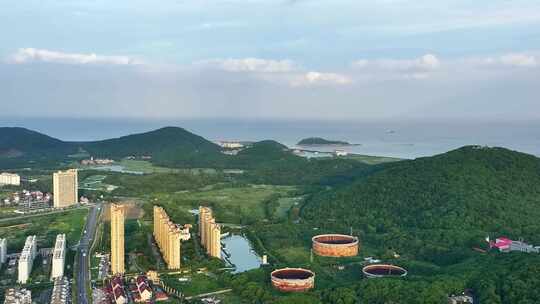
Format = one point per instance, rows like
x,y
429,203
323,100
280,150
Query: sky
x,y
293,59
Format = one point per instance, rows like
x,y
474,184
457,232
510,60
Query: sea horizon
x,y
391,138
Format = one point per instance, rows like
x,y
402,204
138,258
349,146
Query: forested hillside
x,y
437,208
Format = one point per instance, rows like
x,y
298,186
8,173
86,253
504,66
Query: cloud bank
x,y
250,65
28,55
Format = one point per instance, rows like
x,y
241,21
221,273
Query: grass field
x,y
371,160
45,227
95,183
199,283
237,205
7,212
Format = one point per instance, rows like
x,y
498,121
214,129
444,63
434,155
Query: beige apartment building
x,y
65,187
209,232
117,239
10,179
168,237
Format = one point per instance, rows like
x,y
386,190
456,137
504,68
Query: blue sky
x,y
282,58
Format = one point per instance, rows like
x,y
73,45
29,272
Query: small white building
x,y
231,144
26,259
340,153
59,256
461,299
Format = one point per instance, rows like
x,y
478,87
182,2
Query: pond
x,y
240,253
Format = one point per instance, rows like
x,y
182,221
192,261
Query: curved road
x,y
83,254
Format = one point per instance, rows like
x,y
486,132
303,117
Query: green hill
x,y
166,146
434,212
318,141
19,142
437,208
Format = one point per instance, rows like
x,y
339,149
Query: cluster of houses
x,y
96,161
26,196
28,201
138,290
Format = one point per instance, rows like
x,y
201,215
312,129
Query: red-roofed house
x,y
144,290
502,243
117,289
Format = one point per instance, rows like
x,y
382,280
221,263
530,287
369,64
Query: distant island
x,y
318,141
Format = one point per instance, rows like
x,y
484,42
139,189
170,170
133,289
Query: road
x,y
15,218
83,255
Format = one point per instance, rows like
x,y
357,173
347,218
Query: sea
x,y
407,139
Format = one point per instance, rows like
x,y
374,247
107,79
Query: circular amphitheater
x,y
335,245
383,270
293,279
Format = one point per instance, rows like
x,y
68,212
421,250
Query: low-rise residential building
x,y
96,161
61,293
230,144
507,245
26,259
59,256
461,299
18,296
10,179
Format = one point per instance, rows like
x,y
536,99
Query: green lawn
x,y
45,227
147,167
371,160
199,283
95,183
238,205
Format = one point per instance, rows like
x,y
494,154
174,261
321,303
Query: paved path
x,y
202,295
83,255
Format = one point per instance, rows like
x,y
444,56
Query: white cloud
x,y
510,60
415,68
251,65
27,55
427,62
318,78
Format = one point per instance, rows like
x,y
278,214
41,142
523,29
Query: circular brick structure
x,y
293,279
335,245
383,270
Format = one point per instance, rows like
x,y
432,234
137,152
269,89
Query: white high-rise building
x,y
59,256
3,251
27,259
10,179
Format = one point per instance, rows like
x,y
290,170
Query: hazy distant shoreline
x,y
410,140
